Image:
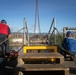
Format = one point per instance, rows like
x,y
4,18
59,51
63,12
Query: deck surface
x,y
41,57
42,67
65,66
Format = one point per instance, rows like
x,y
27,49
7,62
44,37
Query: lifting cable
x,y
58,33
37,16
9,38
72,55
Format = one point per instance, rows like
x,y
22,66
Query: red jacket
x,y
4,29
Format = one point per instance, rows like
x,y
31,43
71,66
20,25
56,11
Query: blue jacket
x,y
69,43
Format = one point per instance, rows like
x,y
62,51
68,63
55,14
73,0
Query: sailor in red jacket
x,y
4,34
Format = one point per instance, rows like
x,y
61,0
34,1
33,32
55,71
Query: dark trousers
x,y
5,45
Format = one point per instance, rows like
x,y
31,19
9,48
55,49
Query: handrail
x,y
53,24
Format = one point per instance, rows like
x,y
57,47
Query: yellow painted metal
x,y
25,48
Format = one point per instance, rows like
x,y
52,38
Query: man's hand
x,y
9,36
14,54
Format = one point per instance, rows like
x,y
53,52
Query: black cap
x,y
3,21
69,32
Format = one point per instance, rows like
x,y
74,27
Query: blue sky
x,y
14,11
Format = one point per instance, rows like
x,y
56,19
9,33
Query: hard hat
x,y
3,21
